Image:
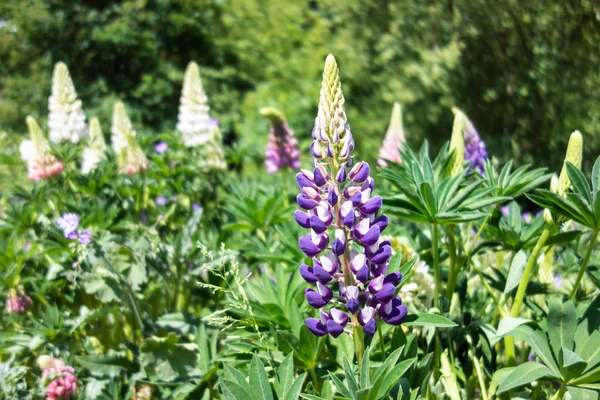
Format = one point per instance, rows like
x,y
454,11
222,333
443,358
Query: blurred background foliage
x,y
526,72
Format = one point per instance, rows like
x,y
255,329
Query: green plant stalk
x,y
134,309
317,383
478,372
535,253
509,343
436,265
453,271
357,334
381,344
480,231
561,393
584,264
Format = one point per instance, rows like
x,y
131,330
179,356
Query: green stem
x,y
561,393
381,343
586,260
479,373
316,382
359,347
509,342
453,271
535,253
436,265
133,305
480,231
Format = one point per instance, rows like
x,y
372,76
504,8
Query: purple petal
x,y
372,206
334,328
314,298
363,274
308,274
371,237
382,255
386,293
332,198
371,327
352,306
308,247
321,274
302,218
302,180
360,172
394,278
306,202
381,221
317,225
316,327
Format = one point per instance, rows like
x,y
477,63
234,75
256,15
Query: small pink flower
x,y
17,302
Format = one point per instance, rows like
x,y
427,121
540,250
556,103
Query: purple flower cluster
x,y
17,302
63,383
337,198
69,223
161,147
282,148
475,150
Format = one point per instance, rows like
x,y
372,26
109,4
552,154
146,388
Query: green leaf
x,y
523,375
294,391
349,374
431,320
596,176
259,382
563,237
507,324
428,198
111,365
104,287
578,393
341,387
572,364
165,359
562,323
578,182
516,271
394,376
538,342
365,369
285,375
233,391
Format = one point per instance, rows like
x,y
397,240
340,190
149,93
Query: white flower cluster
x,y
121,127
66,119
95,152
194,122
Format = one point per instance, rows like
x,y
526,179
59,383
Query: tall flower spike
x,y
95,152
394,139
475,150
121,126
132,159
337,198
457,142
194,122
36,152
66,119
574,156
282,149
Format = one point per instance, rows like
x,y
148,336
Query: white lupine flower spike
x,y
121,126
194,122
66,119
95,152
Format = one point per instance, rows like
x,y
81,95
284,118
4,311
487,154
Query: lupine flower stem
x,y
478,370
535,253
586,260
436,265
132,303
509,342
454,267
381,344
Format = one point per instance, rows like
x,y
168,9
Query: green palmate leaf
x,y
259,382
393,376
579,183
232,390
341,387
365,369
285,376
294,391
428,198
507,324
350,376
516,271
563,237
572,364
562,323
111,365
578,393
538,342
431,320
596,177
388,363
461,196
523,375
165,359
233,375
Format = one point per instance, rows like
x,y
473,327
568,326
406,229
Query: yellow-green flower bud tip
x,y
192,84
273,115
396,120
457,142
96,137
36,134
331,103
44,362
574,156
62,84
545,261
554,185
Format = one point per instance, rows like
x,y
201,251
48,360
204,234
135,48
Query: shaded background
x,y
526,72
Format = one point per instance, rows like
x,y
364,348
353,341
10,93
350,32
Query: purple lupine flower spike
x,y
282,148
475,150
337,202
